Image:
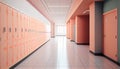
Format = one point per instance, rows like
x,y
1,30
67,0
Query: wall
x,y
72,22
110,5
82,29
52,30
96,9
19,35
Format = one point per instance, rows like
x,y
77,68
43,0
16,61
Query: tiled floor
x,y
60,53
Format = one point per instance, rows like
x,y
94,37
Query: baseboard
x,y
52,36
96,54
100,54
12,67
72,40
112,60
82,43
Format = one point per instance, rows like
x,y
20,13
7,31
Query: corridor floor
x,y
60,53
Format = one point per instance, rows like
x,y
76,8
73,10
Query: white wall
x,y
25,7
60,30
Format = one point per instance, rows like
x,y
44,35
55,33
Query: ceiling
x,y
55,11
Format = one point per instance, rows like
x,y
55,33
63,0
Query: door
x,y
110,34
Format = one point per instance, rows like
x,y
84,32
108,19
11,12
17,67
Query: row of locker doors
x,y
19,35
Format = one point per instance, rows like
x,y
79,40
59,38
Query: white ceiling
x,y
57,10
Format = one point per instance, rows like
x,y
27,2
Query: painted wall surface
x,y
96,27
72,22
52,30
110,5
19,35
92,27
82,29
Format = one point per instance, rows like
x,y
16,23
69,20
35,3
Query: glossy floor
x,y
60,53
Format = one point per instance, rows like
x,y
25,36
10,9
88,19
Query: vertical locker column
x,y
21,36
10,42
4,47
15,35
24,35
18,34
0,35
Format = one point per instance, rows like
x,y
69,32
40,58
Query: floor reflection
x,y
61,53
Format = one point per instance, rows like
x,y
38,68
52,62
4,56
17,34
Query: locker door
x,y
10,42
4,47
19,36
0,35
110,34
20,46
16,35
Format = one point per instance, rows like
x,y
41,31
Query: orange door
x,y
4,47
110,34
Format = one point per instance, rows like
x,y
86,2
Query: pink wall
x,y
82,29
92,27
72,22
52,29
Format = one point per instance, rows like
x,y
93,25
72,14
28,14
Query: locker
x,y
23,37
10,42
4,38
110,34
14,26
19,36
0,35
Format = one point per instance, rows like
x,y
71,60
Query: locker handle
x,y
15,29
115,36
9,29
4,29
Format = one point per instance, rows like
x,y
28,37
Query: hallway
x,y
60,53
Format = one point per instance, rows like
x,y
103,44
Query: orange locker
x,y
14,26
10,42
110,34
23,36
19,35
4,38
0,35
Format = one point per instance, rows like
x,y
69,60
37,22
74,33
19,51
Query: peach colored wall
x,y
72,23
68,29
52,30
82,29
110,34
92,27
19,35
